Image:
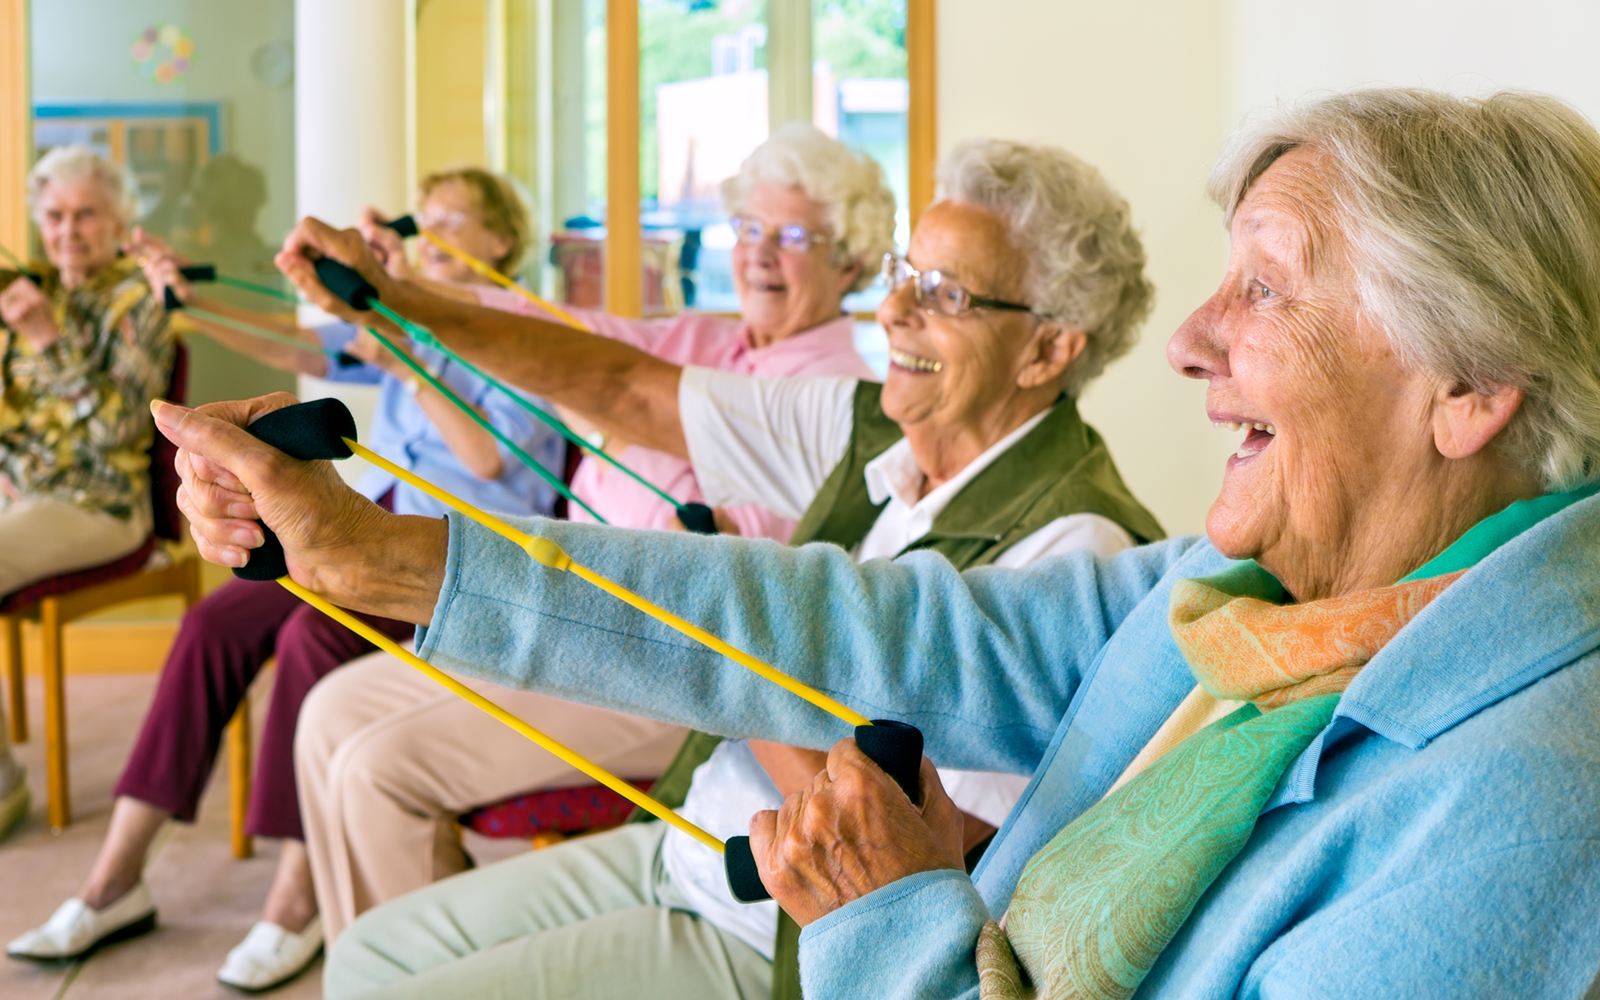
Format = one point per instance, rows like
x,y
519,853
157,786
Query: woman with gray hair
x,y
1030,279
83,350
1342,746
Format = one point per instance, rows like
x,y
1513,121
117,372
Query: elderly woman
x,y
1397,592
387,761
83,350
227,638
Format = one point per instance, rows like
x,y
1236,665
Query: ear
x,y
847,277
1054,348
1465,420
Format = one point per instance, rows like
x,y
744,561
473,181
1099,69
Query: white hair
x,y
849,185
66,164
1474,230
1085,261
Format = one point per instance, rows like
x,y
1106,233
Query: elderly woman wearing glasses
x,y
972,449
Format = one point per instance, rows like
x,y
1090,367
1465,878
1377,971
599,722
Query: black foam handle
x,y
307,431
344,360
697,517
199,272
896,747
406,226
169,300
344,282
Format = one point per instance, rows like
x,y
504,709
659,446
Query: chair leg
x,y
55,715
239,770
16,679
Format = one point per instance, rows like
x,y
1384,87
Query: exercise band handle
x,y
896,747
308,432
345,283
406,226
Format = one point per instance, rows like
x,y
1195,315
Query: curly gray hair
x,y
1086,263
1474,229
860,206
65,164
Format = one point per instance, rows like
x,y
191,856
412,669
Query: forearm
x,y
618,388
475,447
397,573
311,361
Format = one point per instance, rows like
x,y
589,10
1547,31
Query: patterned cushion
x,y
54,586
564,810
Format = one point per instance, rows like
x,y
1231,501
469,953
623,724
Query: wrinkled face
x,y
783,293
79,226
452,213
955,369
1329,423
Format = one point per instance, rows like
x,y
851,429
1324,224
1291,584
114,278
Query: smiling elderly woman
x,y
1397,593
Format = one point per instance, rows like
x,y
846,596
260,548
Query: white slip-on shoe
x,y
14,806
270,956
74,929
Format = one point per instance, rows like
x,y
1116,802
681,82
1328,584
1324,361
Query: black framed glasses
x,y
792,238
937,292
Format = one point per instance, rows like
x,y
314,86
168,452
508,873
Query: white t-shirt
x,y
774,442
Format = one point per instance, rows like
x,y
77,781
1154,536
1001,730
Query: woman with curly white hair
x,y
1019,286
84,347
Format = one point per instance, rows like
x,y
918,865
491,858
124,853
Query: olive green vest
x,y
1059,468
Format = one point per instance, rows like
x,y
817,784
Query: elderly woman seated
x,y
1344,746
379,800
83,350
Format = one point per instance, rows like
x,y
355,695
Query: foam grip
x,y
344,360
307,431
406,226
199,272
345,283
896,747
697,517
169,301
740,864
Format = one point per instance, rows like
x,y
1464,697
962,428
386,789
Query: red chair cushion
x,y
564,810
54,586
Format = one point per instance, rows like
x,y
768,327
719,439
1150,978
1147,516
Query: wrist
x,y
394,568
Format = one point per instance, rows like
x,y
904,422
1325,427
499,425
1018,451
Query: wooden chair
x,y
58,601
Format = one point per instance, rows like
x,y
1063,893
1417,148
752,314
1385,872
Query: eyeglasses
x,y
795,239
937,292
438,219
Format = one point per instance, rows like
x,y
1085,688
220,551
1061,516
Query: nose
x,y
899,308
1199,348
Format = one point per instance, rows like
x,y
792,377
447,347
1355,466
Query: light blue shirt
x,y
406,436
1440,839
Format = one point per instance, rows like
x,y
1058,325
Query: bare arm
x,y
280,356
616,387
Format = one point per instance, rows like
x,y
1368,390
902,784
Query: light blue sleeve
x,y
336,337
984,662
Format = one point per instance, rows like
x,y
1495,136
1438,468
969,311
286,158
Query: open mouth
x,y
913,363
770,287
1260,436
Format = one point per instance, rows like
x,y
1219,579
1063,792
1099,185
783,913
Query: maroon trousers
x,y
221,646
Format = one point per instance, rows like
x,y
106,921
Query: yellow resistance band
x,y
479,267
578,761
550,554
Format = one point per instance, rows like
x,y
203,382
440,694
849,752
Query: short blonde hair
x,y
504,211
1474,230
66,164
849,185
1085,261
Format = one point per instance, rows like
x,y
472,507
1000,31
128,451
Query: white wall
x,y
1137,90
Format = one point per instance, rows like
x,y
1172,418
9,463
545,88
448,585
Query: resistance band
x,y
406,226
22,268
324,429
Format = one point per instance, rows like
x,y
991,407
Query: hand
x,y
25,309
161,265
337,543
312,239
852,832
371,350
386,244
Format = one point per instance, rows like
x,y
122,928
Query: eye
x,y
1263,292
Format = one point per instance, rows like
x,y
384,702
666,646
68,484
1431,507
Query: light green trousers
x,y
593,919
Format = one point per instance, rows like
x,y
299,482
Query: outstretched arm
x,y
614,386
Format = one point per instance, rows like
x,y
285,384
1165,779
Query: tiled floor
x,y
206,899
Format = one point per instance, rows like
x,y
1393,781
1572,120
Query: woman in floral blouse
x,y
83,349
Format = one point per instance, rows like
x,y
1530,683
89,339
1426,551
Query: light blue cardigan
x,y
1440,839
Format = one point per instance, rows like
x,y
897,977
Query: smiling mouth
x,y
1255,442
913,363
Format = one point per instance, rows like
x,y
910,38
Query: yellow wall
x,y
1137,90
450,79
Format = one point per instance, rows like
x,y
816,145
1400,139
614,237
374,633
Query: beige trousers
x,y
386,759
40,538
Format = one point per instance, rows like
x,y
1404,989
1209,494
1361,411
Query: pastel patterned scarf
x,y
1096,907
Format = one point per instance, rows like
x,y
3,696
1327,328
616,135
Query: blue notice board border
x,y
209,110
